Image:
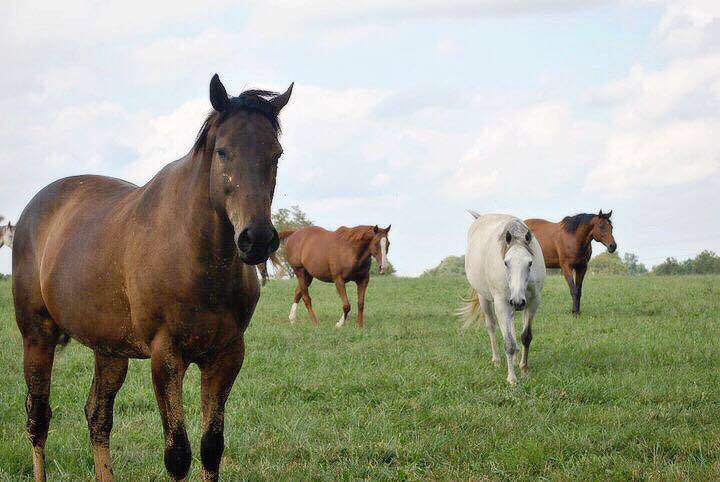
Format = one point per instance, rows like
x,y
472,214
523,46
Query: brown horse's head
x,y
380,246
603,231
241,138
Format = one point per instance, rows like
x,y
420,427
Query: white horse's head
x,y
7,234
518,263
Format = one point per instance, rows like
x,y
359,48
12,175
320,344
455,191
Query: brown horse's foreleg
x,y
293,309
108,378
579,278
217,378
340,286
168,371
304,281
38,356
567,271
361,287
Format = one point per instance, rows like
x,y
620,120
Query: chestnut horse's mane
x,y
572,223
254,100
358,233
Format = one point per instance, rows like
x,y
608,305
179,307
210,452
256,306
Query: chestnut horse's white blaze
x,y
505,268
383,254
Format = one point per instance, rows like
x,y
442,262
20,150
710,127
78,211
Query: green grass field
x,y
630,390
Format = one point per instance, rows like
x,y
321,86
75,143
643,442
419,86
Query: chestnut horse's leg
x,y
217,378
567,271
168,371
526,335
293,309
304,280
361,288
340,286
38,356
579,278
490,322
108,378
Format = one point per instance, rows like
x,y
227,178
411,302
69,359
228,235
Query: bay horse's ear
x,y
218,94
281,100
388,228
375,229
609,214
508,237
600,214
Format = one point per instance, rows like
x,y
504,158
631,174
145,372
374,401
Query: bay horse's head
x,y
603,231
380,245
518,259
7,234
241,139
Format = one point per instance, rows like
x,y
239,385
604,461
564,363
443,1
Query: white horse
x,y
7,234
506,270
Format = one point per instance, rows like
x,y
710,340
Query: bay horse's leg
x,y
108,378
490,322
217,378
579,278
526,335
567,271
505,317
304,280
168,371
340,286
38,357
361,288
293,309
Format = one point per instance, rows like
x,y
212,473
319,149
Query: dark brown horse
x,y
335,257
567,245
162,271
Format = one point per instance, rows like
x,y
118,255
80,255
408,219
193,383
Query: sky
x,y
404,111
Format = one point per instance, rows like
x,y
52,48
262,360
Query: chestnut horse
x,y
567,245
164,271
335,257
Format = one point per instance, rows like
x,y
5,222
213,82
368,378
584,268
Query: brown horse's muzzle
x,y
257,242
612,247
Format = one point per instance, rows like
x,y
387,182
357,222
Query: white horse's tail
x,y
469,310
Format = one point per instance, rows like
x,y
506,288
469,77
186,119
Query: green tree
x,y
375,269
706,262
633,264
450,266
671,266
607,263
284,219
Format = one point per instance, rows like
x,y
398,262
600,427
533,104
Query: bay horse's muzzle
x,y
257,242
612,247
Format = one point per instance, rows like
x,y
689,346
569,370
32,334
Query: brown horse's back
x,y
312,248
546,233
65,256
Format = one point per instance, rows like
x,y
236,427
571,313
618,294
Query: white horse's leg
x,y
505,317
526,335
490,322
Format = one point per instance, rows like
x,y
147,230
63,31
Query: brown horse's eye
x,y
222,154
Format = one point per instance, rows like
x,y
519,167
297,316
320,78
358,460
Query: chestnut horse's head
x,y
380,246
240,137
603,231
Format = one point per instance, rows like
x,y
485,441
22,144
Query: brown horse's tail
x,y
469,310
277,264
286,234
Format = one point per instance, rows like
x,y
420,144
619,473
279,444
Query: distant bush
x,y
375,269
707,262
3,277
607,263
450,266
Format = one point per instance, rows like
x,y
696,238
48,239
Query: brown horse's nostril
x,y
612,247
257,242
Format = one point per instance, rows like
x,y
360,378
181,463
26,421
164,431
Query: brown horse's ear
x,y
508,237
375,229
600,214
218,94
609,214
388,228
281,100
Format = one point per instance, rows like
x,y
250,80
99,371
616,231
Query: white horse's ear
x,y
508,237
474,214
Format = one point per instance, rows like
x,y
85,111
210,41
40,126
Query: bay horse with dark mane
x,y
164,271
567,245
335,257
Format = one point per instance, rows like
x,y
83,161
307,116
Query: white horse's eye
x,y
506,264
530,263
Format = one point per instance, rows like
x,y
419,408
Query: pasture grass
x,y
629,390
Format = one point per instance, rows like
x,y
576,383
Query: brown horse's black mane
x,y
254,100
572,223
